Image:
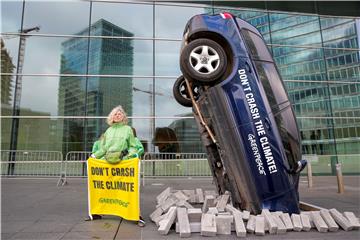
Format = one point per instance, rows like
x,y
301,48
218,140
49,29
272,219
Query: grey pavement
x,y
37,209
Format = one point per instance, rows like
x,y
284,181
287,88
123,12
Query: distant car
x,y
234,81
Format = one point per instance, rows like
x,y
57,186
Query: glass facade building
x,y
59,83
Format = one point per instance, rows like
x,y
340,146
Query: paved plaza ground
x,y
38,209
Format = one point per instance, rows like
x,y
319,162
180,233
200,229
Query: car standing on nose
x,y
246,121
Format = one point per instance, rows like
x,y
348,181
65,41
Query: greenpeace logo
x,y
260,130
114,201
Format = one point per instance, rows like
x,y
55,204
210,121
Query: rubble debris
x,y
285,217
270,221
166,223
223,224
319,221
250,226
340,219
296,220
329,220
259,225
183,219
208,225
281,229
354,221
305,221
210,214
239,224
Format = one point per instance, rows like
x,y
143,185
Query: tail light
x,y
226,15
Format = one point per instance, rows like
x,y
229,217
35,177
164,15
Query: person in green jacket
x,y
118,140
96,145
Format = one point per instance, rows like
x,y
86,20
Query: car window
x,y
286,123
273,86
256,46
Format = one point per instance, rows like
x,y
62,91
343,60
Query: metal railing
x,y
174,165
31,163
52,164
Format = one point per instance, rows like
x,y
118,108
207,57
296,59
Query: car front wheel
x,y
203,60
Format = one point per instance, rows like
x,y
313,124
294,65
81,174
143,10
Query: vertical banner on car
x,y
113,189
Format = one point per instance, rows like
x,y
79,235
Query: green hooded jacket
x,y
96,146
117,138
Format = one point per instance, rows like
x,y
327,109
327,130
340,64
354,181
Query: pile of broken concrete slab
x,y
207,213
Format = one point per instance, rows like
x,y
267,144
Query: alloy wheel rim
x,y
204,59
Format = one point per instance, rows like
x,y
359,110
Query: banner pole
x,y
88,185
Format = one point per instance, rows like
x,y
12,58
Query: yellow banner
x,y
113,189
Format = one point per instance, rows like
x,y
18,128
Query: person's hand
x,y
92,155
134,155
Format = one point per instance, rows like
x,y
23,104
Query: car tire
x,y
181,93
203,60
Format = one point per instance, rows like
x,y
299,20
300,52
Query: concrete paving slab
x,y
129,230
110,225
88,235
14,226
45,201
48,226
37,236
6,235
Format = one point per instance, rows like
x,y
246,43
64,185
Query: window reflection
x,y
7,81
71,96
272,83
106,93
69,55
68,17
180,135
5,130
72,135
40,95
165,140
286,122
256,46
36,134
11,16
9,53
258,19
111,56
171,20
167,54
143,129
135,18
165,103
120,57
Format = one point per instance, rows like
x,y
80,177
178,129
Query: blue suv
x,y
246,121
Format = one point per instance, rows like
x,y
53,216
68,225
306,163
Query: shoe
x,y
94,217
141,222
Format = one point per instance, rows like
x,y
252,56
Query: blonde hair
x,y
110,118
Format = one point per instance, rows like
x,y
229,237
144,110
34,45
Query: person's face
x,y
117,117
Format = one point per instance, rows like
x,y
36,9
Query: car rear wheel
x,y
182,94
203,60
